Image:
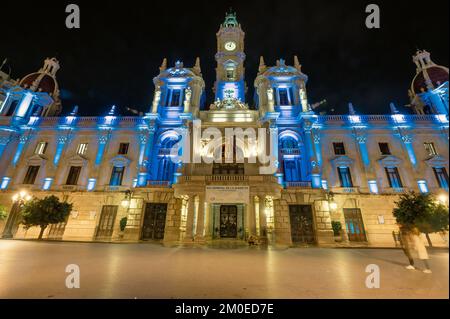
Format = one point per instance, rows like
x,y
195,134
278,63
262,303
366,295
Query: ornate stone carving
x,y
407,138
229,103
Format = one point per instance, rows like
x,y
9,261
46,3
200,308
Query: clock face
x,y
230,46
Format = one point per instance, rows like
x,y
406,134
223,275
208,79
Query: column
x,y
316,181
262,216
407,141
102,141
251,218
4,140
22,141
200,218
190,219
146,146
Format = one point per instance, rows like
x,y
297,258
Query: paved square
x,y
30,269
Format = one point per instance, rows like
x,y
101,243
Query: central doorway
x,y
228,221
302,228
154,221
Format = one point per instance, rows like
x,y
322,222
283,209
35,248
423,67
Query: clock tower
x,y
230,58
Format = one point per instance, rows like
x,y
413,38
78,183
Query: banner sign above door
x,y
227,194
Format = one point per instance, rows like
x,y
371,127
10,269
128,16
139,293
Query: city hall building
x,y
300,170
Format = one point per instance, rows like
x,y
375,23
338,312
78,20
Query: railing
x,y
229,178
395,190
226,178
351,190
158,184
298,184
290,151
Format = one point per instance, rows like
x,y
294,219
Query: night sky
x,y
113,58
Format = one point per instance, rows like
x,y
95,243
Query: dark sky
x,y
113,58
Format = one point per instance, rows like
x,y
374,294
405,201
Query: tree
x,y
421,211
3,213
434,222
42,212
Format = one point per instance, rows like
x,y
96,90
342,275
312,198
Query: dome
x,y
437,75
177,73
46,83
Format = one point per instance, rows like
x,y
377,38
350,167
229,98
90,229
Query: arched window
x,y
166,167
290,158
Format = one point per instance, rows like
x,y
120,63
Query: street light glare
x,y
443,198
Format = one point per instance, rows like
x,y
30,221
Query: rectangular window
x,y
393,177
283,97
41,147
339,148
82,148
175,97
429,147
441,176
230,74
74,173
116,176
31,175
345,177
123,148
384,148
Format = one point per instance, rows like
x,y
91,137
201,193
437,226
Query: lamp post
x,y
19,199
126,200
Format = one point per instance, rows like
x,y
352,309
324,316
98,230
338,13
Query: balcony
x,y
298,184
345,190
228,178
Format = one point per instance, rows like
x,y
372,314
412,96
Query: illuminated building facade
x,y
348,168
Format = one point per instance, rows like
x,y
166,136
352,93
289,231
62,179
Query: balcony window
x,y
393,177
74,173
116,176
30,176
345,177
441,177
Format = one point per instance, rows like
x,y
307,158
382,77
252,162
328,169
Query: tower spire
x,y
262,65
197,69
163,66
297,64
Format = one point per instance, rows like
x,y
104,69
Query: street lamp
x,y
331,203
126,200
443,198
21,197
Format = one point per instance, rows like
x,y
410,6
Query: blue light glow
x,y
423,187
91,184
47,183
441,118
24,104
141,180
373,186
316,181
5,182
324,184
398,118
355,119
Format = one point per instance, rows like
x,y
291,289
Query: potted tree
x,y
122,225
337,227
43,212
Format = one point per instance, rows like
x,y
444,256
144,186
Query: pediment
x,y
120,161
342,160
77,160
390,160
36,159
437,161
